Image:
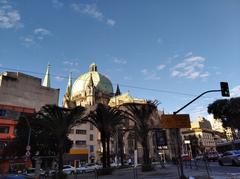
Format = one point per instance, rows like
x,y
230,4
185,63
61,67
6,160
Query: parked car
x,y
68,169
88,168
212,156
199,157
186,157
230,158
30,173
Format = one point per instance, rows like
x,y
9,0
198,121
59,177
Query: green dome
x,y
101,82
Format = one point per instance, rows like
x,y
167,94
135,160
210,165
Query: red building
x,y
9,116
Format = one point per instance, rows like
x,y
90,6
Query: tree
x,y
106,119
227,110
141,115
57,122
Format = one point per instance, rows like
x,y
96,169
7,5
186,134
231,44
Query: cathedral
x,y
88,89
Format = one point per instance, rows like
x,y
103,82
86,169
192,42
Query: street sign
x,y
171,121
28,153
28,147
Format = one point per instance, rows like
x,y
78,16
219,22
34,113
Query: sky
x,y
168,50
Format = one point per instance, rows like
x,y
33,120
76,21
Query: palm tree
x,y
58,121
141,115
106,119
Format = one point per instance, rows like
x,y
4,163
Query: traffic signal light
x,y
224,89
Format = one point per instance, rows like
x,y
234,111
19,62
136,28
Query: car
x,y
212,156
85,168
199,157
68,169
30,173
231,157
186,157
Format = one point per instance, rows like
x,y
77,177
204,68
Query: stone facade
x,y
23,90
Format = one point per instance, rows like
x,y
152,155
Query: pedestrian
x,y
129,161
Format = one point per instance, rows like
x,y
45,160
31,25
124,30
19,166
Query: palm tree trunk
x,y
60,161
108,151
120,142
103,140
146,159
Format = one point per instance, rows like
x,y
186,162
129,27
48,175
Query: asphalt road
x,y
170,172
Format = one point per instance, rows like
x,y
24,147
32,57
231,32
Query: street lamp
x,y
28,147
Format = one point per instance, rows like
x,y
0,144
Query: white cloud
x,y
235,92
191,67
59,78
57,4
111,22
9,17
188,54
71,63
28,41
161,67
92,11
40,33
150,75
37,35
119,61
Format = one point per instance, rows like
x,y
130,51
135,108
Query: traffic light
x,y
224,89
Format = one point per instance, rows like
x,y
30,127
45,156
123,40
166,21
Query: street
x,y
215,171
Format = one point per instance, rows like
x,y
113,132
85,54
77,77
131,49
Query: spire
x,y
46,81
118,92
69,86
90,83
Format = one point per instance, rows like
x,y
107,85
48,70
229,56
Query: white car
x,y
88,168
68,169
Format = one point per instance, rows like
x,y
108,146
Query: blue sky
x,y
166,50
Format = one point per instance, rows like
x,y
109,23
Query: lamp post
x,y
28,147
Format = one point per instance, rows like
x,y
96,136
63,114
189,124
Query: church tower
x,y
90,91
46,81
67,102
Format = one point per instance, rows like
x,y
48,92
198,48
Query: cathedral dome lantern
x,y
100,82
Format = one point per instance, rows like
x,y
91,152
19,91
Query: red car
x,y
186,157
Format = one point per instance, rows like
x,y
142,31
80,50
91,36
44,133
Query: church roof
x,y
100,82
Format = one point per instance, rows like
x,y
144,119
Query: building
x,y
201,123
88,89
201,136
92,88
22,94
9,116
19,89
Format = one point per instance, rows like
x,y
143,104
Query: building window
x,y
91,137
79,131
71,131
91,148
2,112
4,129
91,127
80,142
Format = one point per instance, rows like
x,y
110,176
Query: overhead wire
x,y
123,85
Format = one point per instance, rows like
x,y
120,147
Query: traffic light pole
x,y
178,136
210,91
